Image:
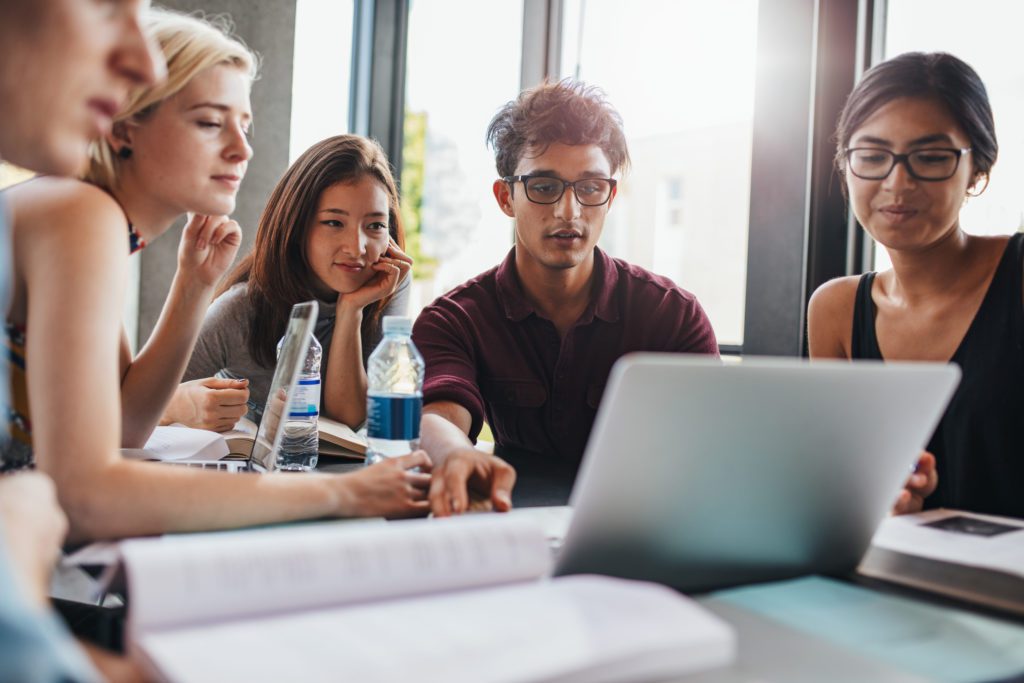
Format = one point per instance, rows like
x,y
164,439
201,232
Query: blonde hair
x,y
190,44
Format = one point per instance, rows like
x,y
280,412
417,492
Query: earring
x,y
125,153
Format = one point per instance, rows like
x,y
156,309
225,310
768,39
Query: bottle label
x,y
305,401
393,417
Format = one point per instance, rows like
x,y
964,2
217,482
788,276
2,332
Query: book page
x,y
332,451
947,535
334,432
175,442
580,628
244,427
241,437
195,578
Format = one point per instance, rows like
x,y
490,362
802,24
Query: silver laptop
x,y
263,456
700,474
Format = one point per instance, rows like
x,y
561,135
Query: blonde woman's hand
x,y
208,247
211,403
390,270
389,489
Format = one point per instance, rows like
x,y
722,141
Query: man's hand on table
x,y
469,479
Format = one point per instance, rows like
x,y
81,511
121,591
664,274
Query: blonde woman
x,y
177,148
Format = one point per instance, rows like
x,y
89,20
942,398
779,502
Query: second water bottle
x,y
394,399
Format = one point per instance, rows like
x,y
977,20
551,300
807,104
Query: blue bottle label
x,y
393,417
305,401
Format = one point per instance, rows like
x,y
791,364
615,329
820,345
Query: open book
x,y
424,601
336,439
978,558
176,443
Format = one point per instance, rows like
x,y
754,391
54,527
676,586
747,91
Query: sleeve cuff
x,y
461,391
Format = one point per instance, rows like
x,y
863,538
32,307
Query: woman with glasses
x,y
332,231
916,139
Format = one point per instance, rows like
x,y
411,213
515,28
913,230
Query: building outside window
x,y
454,227
321,72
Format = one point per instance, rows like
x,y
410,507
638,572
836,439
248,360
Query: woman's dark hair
x,y
926,75
277,269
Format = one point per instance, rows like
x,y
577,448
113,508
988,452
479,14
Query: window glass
x,y
981,34
681,74
454,86
320,72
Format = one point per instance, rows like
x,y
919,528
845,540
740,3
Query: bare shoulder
x,y
65,206
991,247
830,317
836,294
67,235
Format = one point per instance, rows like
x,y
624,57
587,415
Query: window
x,y
321,71
681,74
980,36
669,226
454,228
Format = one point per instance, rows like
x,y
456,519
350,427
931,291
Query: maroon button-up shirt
x,y
487,349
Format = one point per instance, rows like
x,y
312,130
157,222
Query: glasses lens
x,y
592,191
933,164
870,163
544,190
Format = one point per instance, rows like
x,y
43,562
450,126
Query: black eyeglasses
x,y
542,189
871,163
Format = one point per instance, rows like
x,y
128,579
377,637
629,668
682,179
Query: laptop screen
x,y
289,364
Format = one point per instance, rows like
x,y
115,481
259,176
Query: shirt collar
x,y
603,304
510,291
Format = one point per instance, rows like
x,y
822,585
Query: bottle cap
x,y
397,324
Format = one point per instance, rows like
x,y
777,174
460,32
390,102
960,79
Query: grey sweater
x,y
223,345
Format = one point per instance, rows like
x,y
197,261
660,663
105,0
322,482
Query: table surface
x,y
852,629
825,629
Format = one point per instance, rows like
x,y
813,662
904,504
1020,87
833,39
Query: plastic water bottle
x,y
394,399
301,441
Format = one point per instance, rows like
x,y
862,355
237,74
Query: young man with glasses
x,y
528,345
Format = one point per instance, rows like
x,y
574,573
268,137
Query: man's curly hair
x,y
567,112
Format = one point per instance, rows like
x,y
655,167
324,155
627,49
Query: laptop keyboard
x,y
224,466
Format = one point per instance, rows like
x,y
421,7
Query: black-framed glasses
x,y
543,189
873,163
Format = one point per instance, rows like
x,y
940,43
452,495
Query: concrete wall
x,y
268,27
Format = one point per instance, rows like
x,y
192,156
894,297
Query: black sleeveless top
x,y
979,444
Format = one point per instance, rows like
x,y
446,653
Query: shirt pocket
x,y
515,410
